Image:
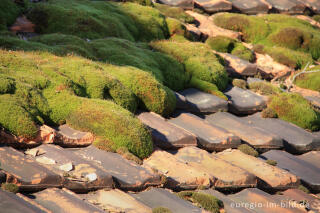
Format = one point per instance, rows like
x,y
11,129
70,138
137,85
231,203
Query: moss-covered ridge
x,y
54,90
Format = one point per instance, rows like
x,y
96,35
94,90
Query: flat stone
x,y
26,172
213,6
253,80
308,173
313,4
116,201
228,203
68,137
201,102
238,67
208,28
296,139
179,174
127,174
244,102
288,6
166,135
312,157
313,203
157,197
45,160
251,7
271,176
11,203
63,200
77,179
195,32
67,167
226,174
185,4
255,136
260,202
210,137
309,19
312,96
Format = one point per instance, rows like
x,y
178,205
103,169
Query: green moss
x,y
161,210
316,18
264,88
295,109
239,83
248,150
7,85
10,187
175,12
272,162
303,188
128,155
232,46
309,80
9,11
206,87
269,113
206,201
198,59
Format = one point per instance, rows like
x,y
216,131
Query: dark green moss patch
x,y
161,210
10,187
248,150
272,162
174,12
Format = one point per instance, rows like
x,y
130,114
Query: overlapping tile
x,y
271,176
210,137
252,6
311,201
288,6
312,157
166,135
255,136
308,173
213,6
69,137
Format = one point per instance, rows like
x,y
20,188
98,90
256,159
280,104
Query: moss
x,y
7,85
174,12
9,11
175,27
248,150
303,188
206,87
161,210
198,59
272,162
316,18
239,83
10,187
295,109
309,80
264,88
206,201
269,113
128,155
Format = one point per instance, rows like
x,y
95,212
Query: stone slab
x,y
127,174
210,137
166,135
201,102
296,139
288,6
69,137
179,174
185,4
252,80
116,201
312,157
213,6
255,136
244,102
251,7
313,203
308,173
226,174
26,172
271,176
11,203
84,174
64,201
157,197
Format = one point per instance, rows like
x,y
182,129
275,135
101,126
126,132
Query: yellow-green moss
x,y
264,88
248,150
239,83
10,187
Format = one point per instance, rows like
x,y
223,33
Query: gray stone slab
x,y
127,174
157,197
210,137
213,6
201,102
308,173
26,172
244,102
255,136
185,4
251,7
312,202
167,135
312,157
80,174
63,201
238,67
11,203
296,139
69,137
288,6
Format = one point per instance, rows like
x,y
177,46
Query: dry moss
x,y
248,150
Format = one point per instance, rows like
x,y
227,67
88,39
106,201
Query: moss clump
x,y
248,150
316,18
309,80
7,85
295,109
198,60
161,210
10,187
269,113
128,155
174,12
275,32
303,188
229,45
264,88
239,83
272,162
206,201
206,87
